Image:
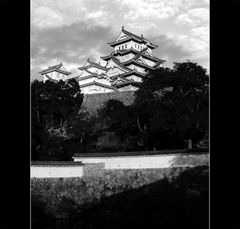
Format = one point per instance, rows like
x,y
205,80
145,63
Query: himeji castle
x,y
123,69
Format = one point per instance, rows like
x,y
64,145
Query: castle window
x,y
125,46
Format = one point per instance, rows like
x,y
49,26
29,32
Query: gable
x,y
112,64
87,64
95,70
114,71
140,60
63,69
147,53
119,81
84,73
122,36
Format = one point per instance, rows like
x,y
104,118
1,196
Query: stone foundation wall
x,y
93,102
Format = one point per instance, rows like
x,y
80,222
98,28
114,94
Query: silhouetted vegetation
x,y
53,105
170,110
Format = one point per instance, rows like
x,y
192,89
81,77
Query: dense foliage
x,y
170,109
53,105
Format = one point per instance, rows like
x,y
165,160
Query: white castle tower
x,y
125,66
55,73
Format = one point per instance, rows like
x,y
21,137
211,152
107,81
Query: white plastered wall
x,y
56,171
54,75
141,162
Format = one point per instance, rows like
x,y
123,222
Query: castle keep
x,y
123,69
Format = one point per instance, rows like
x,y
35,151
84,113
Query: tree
x,y
122,120
84,127
175,101
52,105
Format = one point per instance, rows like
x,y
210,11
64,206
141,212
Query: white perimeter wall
x,y
56,171
138,162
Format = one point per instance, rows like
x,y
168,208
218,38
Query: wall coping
x,y
55,163
140,153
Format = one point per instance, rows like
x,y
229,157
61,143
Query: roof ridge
x,y
132,34
56,66
91,64
119,63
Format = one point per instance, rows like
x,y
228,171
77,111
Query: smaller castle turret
x,y
55,73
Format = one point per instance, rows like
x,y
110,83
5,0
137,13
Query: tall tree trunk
x,y
189,143
146,141
52,120
61,123
144,132
38,117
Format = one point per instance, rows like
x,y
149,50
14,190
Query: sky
x,y
71,31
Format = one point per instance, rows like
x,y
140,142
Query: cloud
x,y
71,44
99,17
73,30
199,13
44,17
193,17
184,19
201,32
142,9
56,13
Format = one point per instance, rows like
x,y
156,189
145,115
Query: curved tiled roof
x,y
55,68
86,77
120,64
140,53
131,82
51,79
126,51
114,43
121,52
121,77
55,163
137,63
91,75
133,72
97,83
143,153
157,64
140,39
92,64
